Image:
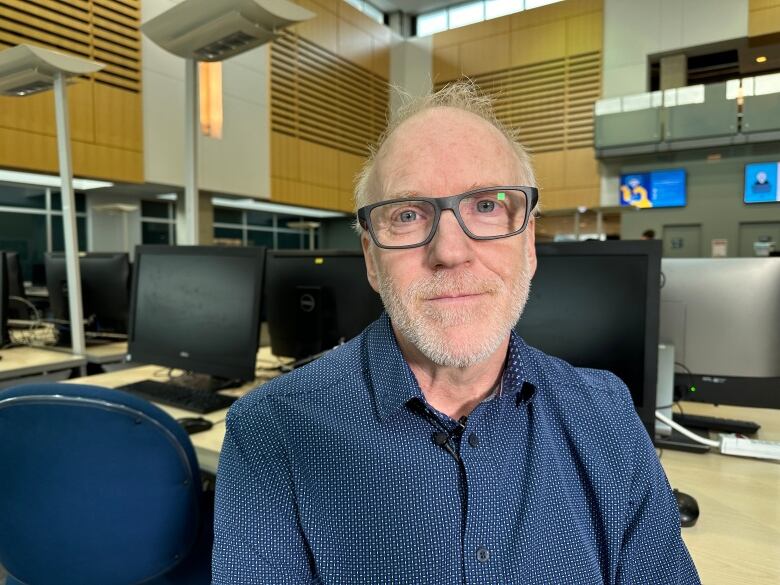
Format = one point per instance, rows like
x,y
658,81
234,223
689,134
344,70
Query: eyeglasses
x,y
483,214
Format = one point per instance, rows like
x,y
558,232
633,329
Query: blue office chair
x,y
98,487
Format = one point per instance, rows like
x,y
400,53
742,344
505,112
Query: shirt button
x,y
474,440
483,554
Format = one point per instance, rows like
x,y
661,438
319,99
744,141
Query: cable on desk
x,y
682,430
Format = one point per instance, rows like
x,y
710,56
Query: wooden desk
x,y
737,538
109,353
19,362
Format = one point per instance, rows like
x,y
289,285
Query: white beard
x,y
428,329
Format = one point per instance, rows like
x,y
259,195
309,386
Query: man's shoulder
x,y
331,374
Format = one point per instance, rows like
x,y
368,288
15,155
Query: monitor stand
x,y
204,382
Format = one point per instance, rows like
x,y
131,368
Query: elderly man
x,y
437,447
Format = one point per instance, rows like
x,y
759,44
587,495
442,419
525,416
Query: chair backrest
x,y
96,486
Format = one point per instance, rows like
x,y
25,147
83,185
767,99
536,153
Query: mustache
x,y
463,282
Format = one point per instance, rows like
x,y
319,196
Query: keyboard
x,y
714,423
197,400
744,447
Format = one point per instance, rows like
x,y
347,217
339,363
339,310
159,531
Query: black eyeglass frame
x,y
453,204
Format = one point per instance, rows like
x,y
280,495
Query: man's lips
x,y
456,297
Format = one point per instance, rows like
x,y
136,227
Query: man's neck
x,y
455,391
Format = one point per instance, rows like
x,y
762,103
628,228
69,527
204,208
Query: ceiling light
x,y
49,180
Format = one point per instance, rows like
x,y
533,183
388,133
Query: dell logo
x,y
184,354
308,304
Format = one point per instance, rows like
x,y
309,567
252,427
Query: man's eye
x,y
407,216
486,206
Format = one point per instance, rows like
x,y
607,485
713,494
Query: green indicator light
x,y
693,388
501,196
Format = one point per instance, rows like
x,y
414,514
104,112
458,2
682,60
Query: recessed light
x,y
761,59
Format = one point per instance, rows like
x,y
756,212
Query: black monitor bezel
x,y
174,360
60,259
273,321
653,251
4,335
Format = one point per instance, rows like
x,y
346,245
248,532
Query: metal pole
x,y
600,224
192,131
69,215
577,225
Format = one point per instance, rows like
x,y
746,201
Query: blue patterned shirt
x,y
330,475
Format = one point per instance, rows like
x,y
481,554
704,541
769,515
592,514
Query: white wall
x,y
411,68
634,29
239,163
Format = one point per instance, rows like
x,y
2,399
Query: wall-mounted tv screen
x,y
761,182
653,189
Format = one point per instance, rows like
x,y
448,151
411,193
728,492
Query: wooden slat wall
x,y
543,68
105,109
763,17
329,98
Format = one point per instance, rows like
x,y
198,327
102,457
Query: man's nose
x,y
450,245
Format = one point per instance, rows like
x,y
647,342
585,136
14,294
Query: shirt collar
x,y
394,383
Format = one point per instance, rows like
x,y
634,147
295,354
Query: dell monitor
x,y
4,338
316,300
595,305
197,308
723,317
105,290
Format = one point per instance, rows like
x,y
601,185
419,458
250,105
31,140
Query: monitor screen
x,y
596,305
317,299
105,289
197,308
653,189
761,182
4,339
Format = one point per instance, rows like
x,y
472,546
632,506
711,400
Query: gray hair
x,y
463,95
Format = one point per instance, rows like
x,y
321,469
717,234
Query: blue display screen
x,y
653,189
761,182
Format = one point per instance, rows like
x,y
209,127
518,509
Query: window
x,y
466,14
158,222
240,227
432,22
31,224
471,12
496,8
368,9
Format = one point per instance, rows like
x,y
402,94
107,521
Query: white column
x,y
69,215
192,131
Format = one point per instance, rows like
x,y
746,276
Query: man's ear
x,y
530,245
368,255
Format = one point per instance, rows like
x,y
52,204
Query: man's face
x,y
454,299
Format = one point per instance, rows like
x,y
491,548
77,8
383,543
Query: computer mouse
x,y
195,424
689,509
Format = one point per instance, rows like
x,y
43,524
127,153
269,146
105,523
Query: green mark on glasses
x,y
501,196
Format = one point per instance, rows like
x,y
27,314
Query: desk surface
x,y
737,538
26,361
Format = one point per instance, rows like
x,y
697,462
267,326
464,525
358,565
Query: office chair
x,y
98,487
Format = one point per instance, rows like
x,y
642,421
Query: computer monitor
x,y
16,309
4,338
197,308
316,300
723,317
105,289
595,305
